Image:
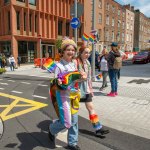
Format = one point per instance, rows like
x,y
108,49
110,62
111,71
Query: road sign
x,y
80,10
75,23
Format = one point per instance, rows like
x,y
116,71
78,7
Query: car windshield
x,y
142,53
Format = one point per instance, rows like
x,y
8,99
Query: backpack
x,y
117,63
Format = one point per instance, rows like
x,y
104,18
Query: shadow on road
x,y
32,140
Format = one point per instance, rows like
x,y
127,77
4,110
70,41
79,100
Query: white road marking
x,y
11,80
3,83
17,92
1,88
25,82
42,85
39,96
1,79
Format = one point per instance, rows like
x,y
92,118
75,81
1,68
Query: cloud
x,y
143,5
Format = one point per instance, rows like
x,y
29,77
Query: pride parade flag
x,y
50,65
68,78
85,37
99,76
92,38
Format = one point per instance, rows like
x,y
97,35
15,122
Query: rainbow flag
x,y
68,78
85,37
50,65
92,38
99,76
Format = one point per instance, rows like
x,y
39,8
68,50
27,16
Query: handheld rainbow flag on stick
x,y
85,37
92,38
99,76
50,65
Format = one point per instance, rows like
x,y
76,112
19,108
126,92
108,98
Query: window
x,y
107,20
24,21
67,28
119,12
107,6
9,21
35,23
18,20
113,9
119,22
32,2
122,37
6,1
100,18
21,0
107,35
60,27
118,36
30,21
123,25
113,36
113,22
100,4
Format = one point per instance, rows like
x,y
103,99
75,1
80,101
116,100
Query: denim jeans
x,y
104,74
57,126
113,79
12,66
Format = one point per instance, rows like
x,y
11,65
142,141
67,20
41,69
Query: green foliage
x,y
2,70
58,43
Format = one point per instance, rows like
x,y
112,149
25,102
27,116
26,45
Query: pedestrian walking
x,y
104,68
65,65
19,60
12,63
85,87
1,60
114,64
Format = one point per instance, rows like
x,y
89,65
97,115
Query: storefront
x,y
5,47
27,51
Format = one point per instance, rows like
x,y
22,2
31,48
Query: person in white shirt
x,y
12,62
104,68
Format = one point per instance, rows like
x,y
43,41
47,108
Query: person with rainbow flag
x,y
66,101
85,87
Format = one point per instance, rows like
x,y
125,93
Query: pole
x,y
75,14
93,47
40,52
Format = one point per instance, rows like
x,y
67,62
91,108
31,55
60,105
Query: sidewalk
x,y
128,112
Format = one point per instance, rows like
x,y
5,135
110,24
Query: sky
x,y
143,5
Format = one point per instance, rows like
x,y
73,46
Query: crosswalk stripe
x,y
39,96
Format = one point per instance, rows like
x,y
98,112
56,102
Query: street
x,y
26,110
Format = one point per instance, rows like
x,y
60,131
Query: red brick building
x,y
24,22
114,23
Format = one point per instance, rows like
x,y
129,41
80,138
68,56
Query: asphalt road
x,y
26,120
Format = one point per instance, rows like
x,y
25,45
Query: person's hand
x,y
84,75
59,81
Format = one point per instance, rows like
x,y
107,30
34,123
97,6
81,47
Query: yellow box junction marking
x,y
34,106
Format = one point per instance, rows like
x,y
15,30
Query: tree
x,y
58,43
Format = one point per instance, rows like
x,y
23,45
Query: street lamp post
x,y
75,14
40,51
93,47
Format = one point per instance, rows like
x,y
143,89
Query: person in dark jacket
x,y
111,71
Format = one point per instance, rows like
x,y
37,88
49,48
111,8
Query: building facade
x,y
114,23
129,29
99,20
141,31
27,25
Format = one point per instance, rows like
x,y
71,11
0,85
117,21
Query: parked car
x,y
96,59
142,57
